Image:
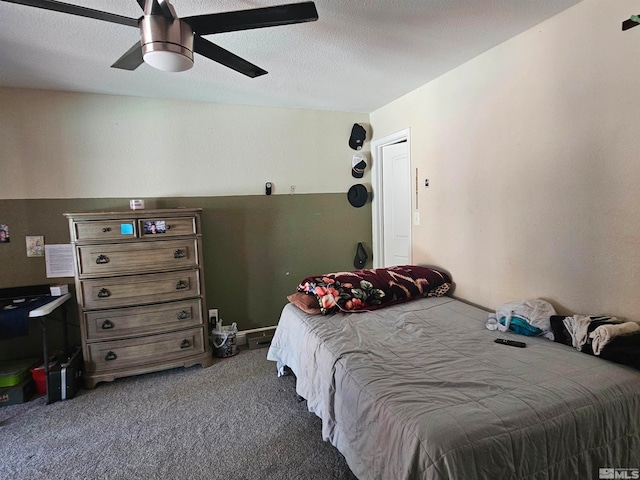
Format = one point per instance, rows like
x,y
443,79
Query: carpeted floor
x,y
234,420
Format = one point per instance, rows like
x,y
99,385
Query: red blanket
x,y
374,288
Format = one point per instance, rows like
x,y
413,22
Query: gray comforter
x,y
421,391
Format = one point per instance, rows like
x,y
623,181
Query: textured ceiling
x,y
359,55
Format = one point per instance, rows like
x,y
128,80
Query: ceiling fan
x,y
167,42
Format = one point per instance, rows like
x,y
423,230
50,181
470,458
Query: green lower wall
x,y
256,250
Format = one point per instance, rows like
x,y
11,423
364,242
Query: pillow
x,y
370,289
306,303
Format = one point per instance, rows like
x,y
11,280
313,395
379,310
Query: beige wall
x,y
532,154
72,145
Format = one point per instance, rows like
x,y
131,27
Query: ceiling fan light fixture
x,y
166,44
167,57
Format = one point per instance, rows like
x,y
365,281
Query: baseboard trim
x,y
241,336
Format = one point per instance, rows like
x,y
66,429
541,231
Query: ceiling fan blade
x,y
76,10
225,57
253,18
131,60
630,23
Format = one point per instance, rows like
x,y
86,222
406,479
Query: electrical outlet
x,y
213,316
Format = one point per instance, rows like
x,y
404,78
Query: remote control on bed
x,y
511,343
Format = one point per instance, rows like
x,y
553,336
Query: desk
x,y
43,312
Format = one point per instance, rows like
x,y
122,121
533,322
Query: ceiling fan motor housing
x,y
167,44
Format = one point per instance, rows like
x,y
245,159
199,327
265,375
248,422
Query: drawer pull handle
x,y
102,259
106,229
182,314
107,324
168,227
181,285
110,356
179,253
185,343
104,293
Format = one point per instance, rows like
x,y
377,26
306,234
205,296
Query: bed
x,y
419,390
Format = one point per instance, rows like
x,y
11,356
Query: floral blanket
x,y
374,288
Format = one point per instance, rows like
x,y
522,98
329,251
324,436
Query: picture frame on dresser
x,y
152,227
141,296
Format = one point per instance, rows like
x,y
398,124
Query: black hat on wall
x,y
358,136
358,195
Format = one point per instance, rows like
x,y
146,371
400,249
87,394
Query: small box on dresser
x,y
140,288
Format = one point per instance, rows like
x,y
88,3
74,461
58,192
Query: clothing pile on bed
x,y
607,337
527,317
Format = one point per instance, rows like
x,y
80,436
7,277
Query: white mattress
x,y
420,390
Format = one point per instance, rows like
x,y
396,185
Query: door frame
x,y
377,202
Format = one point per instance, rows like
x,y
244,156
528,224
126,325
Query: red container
x,y
39,378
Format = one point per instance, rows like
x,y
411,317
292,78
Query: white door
x,y
396,208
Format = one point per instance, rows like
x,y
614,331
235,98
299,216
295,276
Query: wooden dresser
x,y
140,288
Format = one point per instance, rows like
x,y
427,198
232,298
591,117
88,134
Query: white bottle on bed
x,y
492,322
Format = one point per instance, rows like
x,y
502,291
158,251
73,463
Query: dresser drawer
x,y
167,226
122,258
138,321
120,354
104,230
139,289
